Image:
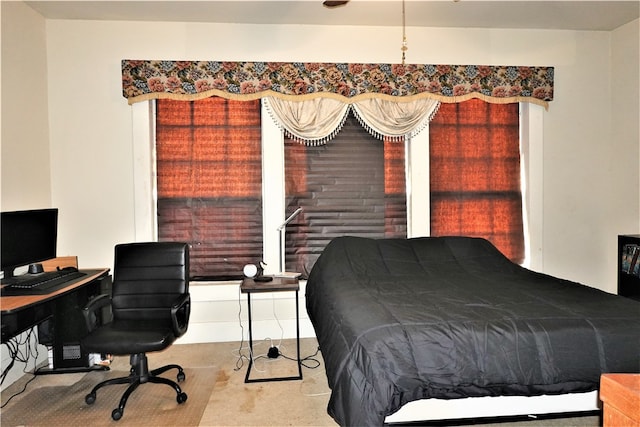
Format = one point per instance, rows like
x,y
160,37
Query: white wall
x,y
590,191
625,149
26,179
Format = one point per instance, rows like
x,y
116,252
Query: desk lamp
x,y
282,229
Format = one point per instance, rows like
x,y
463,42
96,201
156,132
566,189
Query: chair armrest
x,y
180,312
92,311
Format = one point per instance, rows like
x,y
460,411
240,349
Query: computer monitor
x,y
27,237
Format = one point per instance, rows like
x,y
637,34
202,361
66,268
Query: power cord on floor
x,y
240,356
17,354
274,351
310,358
310,379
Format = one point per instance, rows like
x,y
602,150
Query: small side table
x,y
620,394
278,284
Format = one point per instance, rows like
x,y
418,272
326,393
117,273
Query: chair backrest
x,y
148,278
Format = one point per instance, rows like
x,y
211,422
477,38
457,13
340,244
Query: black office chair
x,y
150,308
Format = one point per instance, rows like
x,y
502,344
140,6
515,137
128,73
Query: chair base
x,y
139,374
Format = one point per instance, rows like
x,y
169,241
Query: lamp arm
x,y
288,220
282,229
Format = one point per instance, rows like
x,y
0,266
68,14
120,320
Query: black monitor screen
x,y
27,237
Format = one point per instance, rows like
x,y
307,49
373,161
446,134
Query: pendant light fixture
x,y
404,35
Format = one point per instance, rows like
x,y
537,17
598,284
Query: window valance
x,y
152,79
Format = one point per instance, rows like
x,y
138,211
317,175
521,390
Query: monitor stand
x,y
35,268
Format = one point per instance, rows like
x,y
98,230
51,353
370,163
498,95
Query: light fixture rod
x,y
404,35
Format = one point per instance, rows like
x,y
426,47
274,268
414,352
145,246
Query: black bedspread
x,y
450,317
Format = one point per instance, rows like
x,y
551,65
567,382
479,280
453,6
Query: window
x,y
302,246
354,185
209,182
475,174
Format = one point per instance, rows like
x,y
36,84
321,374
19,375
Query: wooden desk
x,y
61,310
13,303
620,394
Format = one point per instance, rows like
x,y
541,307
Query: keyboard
x,y
42,283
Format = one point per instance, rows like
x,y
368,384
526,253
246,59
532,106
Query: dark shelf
x,y
629,281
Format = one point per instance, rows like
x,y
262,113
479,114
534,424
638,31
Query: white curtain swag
x,y
395,119
318,120
313,122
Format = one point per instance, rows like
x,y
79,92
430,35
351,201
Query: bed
x,y
447,318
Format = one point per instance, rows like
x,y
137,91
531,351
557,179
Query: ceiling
x,y
563,15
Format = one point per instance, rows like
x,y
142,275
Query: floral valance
x,y
152,79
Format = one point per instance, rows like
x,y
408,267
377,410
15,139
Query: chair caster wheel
x,y
181,377
116,414
90,398
182,397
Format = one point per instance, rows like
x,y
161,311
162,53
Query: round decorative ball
x,y
250,270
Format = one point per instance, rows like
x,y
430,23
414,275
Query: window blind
x,y
475,174
354,185
209,182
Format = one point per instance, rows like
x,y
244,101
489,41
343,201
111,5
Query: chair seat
x,y
126,337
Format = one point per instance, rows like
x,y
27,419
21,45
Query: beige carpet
x,y
150,405
218,395
215,385
277,403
